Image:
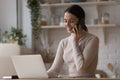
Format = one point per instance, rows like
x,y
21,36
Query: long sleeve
x,y
84,58
58,62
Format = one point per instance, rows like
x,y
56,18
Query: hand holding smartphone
x,y
76,28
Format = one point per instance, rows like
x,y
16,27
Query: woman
x,y
80,50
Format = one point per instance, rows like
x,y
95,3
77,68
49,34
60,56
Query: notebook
x,y
29,66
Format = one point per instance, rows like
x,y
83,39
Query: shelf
x,y
89,26
96,7
102,25
81,3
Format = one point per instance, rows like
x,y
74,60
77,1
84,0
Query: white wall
x,y
8,16
26,22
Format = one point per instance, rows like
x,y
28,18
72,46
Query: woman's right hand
x,y
76,32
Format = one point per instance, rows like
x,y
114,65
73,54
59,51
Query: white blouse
x,y
81,57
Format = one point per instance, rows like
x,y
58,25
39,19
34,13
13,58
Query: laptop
x,y
29,66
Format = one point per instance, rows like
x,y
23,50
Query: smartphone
x,y
78,25
75,28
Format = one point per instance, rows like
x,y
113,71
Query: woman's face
x,y
70,21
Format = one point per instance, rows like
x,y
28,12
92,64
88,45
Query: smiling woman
x,y
79,50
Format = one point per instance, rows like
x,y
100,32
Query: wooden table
x,y
70,79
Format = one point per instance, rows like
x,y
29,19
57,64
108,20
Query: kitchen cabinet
x,y
93,9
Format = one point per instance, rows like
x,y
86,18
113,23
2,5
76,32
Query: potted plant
x,y
14,36
34,6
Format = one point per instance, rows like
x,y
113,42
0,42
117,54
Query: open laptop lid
x,y
29,66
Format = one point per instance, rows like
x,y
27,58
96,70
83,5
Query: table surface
x,y
67,79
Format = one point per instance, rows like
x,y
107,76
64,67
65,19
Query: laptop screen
x,y
29,66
